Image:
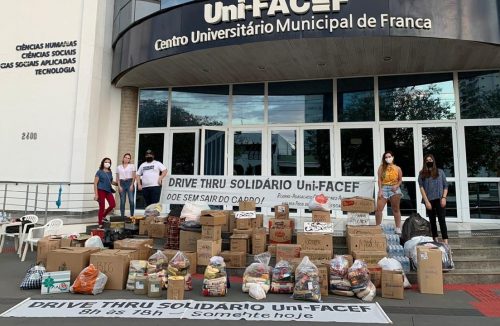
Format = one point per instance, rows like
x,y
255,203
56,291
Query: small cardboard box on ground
x,y
114,263
234,259
211,232
248,205
157,230
392,284
358,204
190,255
206,249
213,217
240,243
44,246
144,247
187,240
430,270
281,211
281,230
315,241
321,216
375,274
259,241
175,290
143,227
287,252
56,282
73,259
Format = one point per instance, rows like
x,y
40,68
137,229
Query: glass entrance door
x,y
185,152
213,153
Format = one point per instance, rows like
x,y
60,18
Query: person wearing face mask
x,y
125,176
150,176
434,190
389,179
103,190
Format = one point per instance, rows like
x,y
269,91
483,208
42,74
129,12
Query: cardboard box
x,y
315,241
114,263
258,221
357,204
248,205
190,255
324,272
44,246
72,259
211,232
316,254
281,211
281,230
244,223
227,226
144,247
234,259
369,257
175,290
365,229
247,232
392,284
206,249
143,227
213,217
367,242
56,282
157,230
375,274
188,239
430,270
321,216
259,240
356,218
240,243
232,222
287,251
272,249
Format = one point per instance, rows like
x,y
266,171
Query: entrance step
x,y
474,241
465,263
475,252
464,276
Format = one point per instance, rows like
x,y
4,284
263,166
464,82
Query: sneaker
x,y
105,220
397,231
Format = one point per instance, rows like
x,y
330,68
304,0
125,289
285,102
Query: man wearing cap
x,y
149,178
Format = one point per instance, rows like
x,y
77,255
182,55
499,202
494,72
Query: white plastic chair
x,y
53,227
18,236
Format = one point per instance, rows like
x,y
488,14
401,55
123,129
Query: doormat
x,y
208,310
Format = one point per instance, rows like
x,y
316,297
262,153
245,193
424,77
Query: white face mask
x,y
389,160
107,165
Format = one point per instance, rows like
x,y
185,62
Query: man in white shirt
x,y
150,176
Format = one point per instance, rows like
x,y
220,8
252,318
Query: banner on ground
x,y
265,191
208,310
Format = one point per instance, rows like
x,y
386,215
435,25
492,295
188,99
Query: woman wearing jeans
x,y
434,190
125,175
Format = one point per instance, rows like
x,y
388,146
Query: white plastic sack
x,y
256,291
392,264
411,246
319,203
192,210
94,242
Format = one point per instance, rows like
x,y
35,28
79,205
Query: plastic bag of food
x,y
256,291
188,282
307,284
136,267
339,267
319,203
158,260
192,210
153,210
359,276
178,265
215,278
94,241
89,281
258,272
282,278
33,278
368,293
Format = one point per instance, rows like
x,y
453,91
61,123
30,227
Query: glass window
x,y
146,7
479,94
317,152
357,152
248,104
417,97
172,3
484,201
215,150
438,141
301,102
355,99
247,153
482,147
400,142
283,152
183,153
200,106
153,108
153,142
451,200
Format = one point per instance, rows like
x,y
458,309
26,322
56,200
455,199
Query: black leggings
x,y
441,215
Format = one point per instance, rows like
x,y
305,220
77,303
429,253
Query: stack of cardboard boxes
x,y
280,227
210,243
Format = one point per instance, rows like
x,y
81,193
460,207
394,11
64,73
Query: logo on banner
x,y
217,12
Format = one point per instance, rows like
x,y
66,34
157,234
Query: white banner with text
x,y
208,310
265,191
